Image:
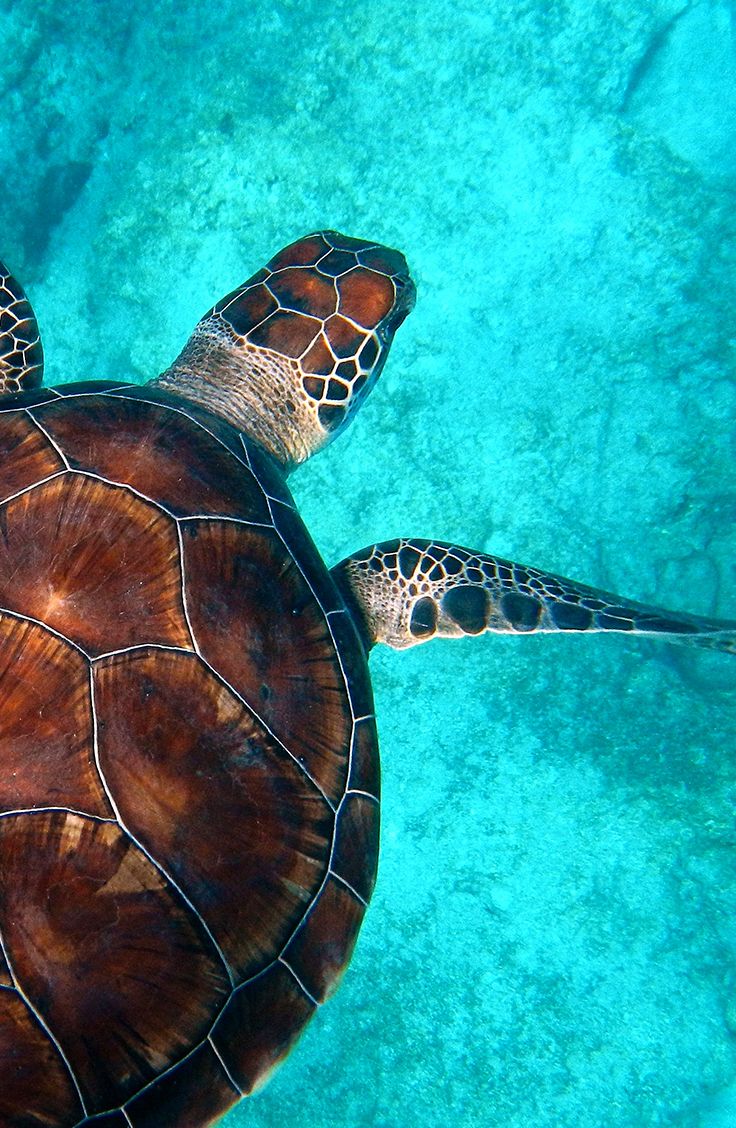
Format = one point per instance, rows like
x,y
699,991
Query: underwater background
x,y
552,940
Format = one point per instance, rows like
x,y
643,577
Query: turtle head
x,y
291,354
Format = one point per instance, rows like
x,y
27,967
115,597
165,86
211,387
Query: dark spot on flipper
x,y
522,611
423,618
571,616
628,614
468,607
668,626
408,558
497,571
453,565
606,622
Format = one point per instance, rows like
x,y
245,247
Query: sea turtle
x,y
189,773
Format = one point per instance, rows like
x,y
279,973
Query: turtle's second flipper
x,y
403,592
21,353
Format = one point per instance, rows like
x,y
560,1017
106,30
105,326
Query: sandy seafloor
x,y
552,940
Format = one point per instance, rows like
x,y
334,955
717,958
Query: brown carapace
x,y
188,792
189,775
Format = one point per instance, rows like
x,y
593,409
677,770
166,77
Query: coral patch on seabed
x,y
551,941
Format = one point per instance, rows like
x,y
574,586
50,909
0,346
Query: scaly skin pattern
x,y
21,353
408,591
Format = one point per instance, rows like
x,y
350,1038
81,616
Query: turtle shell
x,y
188,763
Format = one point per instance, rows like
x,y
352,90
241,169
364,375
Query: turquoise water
x,y
552,940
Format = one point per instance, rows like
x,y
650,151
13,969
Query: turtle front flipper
x,y
21,353
403,592
290,355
